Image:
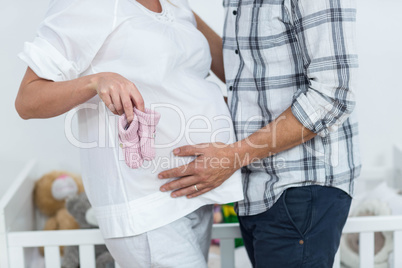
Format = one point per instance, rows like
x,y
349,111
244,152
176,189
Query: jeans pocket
x,y
297,203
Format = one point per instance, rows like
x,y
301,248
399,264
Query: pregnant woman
x,y
111,56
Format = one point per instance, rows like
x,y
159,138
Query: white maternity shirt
x,y
168,59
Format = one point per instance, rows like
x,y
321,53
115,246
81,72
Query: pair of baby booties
x,y
137,138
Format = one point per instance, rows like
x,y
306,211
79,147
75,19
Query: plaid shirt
x,y
299,54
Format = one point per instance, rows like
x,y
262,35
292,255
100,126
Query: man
x,y
290,70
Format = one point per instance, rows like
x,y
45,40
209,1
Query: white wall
x,y
380,90
22,140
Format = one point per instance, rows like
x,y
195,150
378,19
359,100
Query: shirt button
x,y
301,242
230,88
234,12
237,51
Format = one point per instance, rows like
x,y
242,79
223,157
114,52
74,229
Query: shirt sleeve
x,y
68,38
325,32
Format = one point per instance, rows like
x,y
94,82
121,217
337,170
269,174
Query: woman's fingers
x,y
127,106
120,95
137,98
114,94
104,95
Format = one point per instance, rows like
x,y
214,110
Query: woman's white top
x,y
168,59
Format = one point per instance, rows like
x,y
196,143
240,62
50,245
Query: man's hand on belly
x,y
214,164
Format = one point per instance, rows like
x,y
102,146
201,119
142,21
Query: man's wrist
x,y
242,154
253,148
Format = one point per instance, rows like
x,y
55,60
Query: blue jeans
x,y
302,229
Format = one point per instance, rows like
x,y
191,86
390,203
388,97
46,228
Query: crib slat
x,y
16,255
52,257
337,260
366,244
87,256
227,247
397,248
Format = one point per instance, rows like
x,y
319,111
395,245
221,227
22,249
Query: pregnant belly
x,y
182,123
202,125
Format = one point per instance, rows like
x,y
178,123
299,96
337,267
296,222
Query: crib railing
x,y
51,240
366,227
17,214
86,239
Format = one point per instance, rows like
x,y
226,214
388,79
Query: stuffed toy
x,y
381,201
79,207
50,193
383,244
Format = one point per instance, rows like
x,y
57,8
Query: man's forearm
x,y
283,133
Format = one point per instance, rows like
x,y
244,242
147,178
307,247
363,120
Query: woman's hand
x,y
119,94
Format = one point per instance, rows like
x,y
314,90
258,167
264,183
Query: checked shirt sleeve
x,y
325,32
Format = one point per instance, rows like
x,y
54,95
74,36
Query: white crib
x,y
17,222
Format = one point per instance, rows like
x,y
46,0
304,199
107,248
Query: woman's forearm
x,y
40,98
215,44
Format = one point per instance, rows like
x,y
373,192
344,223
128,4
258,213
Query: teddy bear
x,y
50,193
382,200
80,208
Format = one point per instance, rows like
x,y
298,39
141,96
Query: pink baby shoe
x,y
148,121
130,141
